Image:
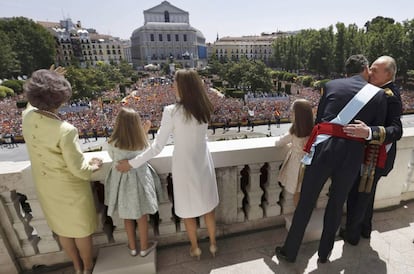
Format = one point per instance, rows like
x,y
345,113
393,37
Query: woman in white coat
x,y
194,178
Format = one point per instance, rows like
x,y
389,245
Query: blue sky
x,y
225,17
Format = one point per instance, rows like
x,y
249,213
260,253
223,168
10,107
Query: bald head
x,y
382,71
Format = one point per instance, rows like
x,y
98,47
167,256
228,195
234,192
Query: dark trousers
x,y
359,210
340,162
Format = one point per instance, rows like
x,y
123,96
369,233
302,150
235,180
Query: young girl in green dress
x,y
133,194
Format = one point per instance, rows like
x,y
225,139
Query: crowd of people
x,y
97,117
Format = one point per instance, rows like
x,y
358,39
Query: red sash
x,y
382,156
331,129
335,130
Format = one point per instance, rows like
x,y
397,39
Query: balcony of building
x,y
251,219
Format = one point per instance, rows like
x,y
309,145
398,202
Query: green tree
x,y
9,65
5,91
340,56
15,85
33,45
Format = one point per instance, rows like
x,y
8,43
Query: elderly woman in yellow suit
x,y
60,171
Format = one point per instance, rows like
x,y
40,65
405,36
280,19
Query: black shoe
x,y
280,253
366,234
322,260
346,238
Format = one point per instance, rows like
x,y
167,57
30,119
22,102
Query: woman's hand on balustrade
x,y
123,166
96,163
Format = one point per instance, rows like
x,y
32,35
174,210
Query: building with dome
x,y
166,37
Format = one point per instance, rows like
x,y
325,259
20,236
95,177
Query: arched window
x,y
166,16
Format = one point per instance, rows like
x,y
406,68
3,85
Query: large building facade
x,y
77,45
249,47
166,37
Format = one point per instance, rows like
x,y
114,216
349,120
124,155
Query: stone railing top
x,y
13,167
225,153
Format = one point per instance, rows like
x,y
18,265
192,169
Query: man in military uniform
x,y
379,158
335,154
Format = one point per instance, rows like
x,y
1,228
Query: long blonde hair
x,y
303,120
193,96
128,132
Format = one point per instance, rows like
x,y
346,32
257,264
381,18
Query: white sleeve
x,y
160,140
283,140
110,150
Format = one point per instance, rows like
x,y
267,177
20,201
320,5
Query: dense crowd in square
x,y
97,116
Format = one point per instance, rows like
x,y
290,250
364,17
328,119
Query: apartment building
x,y
83,46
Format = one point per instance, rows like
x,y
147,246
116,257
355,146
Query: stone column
x,y
167,225
255,211
228,189
272,208
9,242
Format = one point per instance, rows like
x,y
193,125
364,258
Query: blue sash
x,y
345,115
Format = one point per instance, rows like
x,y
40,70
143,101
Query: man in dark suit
x,y
337,156
360,203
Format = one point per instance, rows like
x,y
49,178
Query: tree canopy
x,y
26,47
323,52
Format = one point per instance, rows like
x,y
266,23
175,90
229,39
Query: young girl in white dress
x,y
133,194
295,139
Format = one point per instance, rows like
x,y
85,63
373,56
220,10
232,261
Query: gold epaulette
x,y
388,92
378,135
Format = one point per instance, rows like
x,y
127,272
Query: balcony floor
x,y
390,250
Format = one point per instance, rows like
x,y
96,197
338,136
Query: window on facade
x,y
166,16
185,37
169,37
160,37
152,38
177,38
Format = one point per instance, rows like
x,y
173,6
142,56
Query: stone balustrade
x,y
250,198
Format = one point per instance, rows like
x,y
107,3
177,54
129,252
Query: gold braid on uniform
x,y
368,168
388,92
378,135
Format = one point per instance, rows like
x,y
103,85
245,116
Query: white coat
x,y
194,177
